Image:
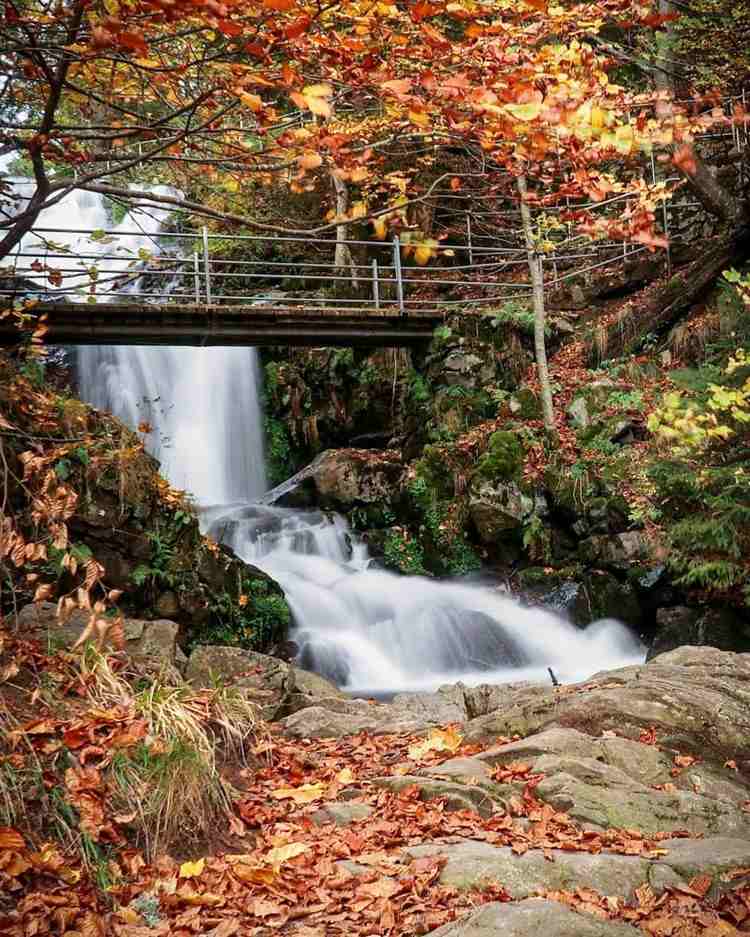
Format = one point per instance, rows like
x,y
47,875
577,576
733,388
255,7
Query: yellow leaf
x,y
305,794
192,869
281,854
381,227
345,777
419,118
529,111
439,740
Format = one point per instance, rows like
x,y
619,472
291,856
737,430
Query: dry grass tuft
x,y
170,786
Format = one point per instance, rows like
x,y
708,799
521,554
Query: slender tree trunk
x,y
537,286
343,259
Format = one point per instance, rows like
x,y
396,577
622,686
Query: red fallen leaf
x,y
229,28
298,28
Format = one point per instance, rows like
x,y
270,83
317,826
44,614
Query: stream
x,y
368,630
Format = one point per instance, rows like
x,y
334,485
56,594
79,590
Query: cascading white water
x,y
370,631
202,404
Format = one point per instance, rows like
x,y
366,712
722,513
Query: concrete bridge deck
x,y
134,323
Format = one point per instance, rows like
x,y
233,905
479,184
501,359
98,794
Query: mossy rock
x,y
526,405
503,460
435,471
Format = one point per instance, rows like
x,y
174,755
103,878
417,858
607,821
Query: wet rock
x,y
597,595
533,917
723,628
345,478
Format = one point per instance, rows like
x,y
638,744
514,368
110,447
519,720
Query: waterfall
x,y
368,630
202,405
375,632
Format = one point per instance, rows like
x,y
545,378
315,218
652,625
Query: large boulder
x,y
723,628
347,478
534,917
696,699
153,641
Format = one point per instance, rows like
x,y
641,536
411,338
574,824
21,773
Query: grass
x,y
170,785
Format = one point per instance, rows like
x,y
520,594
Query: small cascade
x,y
374,632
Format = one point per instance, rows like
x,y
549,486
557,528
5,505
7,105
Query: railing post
x,y
397,271
375,283
468,238
206,266
196,277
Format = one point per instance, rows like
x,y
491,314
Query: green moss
x,y
503,460
403,553
279,461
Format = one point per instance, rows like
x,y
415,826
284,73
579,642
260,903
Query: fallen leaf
x,y
192,869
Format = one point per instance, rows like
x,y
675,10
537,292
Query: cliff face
x,y
80,490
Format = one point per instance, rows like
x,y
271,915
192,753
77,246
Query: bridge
x,y
140,323
141,285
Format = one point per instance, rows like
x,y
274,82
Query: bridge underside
x,y
135,323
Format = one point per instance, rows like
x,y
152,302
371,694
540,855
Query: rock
x,y
723,628
456,796
501,508
145,640
618,551
578,412
460,769
472,865
315,722
444,706
597,595
276,685
460,368
697,700
167,605
716,857
157,640
534,917
341,814
601,796
345,478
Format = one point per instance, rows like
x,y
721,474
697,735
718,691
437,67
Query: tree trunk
x,y
623,334
343,259
537,286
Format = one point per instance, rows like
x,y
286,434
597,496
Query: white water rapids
x,y
367,629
